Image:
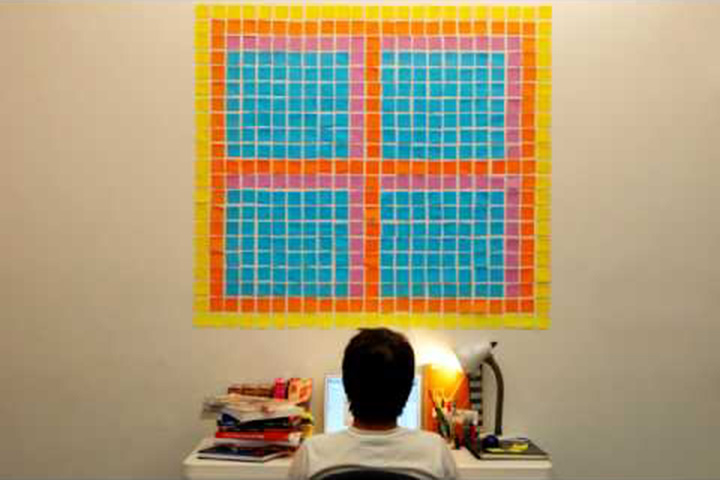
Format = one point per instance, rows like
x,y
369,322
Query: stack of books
x,y
256,423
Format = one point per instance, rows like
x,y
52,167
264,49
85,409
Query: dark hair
x,y
378,371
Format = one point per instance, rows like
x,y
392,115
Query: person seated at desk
x,y
378,369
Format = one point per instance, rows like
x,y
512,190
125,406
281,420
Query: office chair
x,y
368,474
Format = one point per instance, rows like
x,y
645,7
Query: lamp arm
x,y
500,398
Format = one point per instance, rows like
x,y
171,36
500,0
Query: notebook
x,y
509,449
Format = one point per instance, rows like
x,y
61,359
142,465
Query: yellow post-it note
x,y
281,12
481,12
419,12
265,12
545,12
312,12
343,12
514,13
449,12
388,12
434,12
403,12
234,12
202,11
328,12
498,13
296,12
219,11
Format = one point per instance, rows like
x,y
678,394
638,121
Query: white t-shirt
x,y
414,452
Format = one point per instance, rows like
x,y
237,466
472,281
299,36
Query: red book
x,y
285,436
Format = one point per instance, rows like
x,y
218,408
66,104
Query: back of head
x,y
378,371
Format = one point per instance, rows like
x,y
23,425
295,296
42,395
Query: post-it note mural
x,y
372,165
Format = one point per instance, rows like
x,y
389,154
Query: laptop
x,y
337,410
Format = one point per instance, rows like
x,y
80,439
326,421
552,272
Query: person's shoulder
x,y
423,434
323,437
435,449
423,437
412,438
326,439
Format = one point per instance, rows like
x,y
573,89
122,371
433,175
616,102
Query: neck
x,y
374,426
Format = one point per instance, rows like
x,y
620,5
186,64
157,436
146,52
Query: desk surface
x,y
469,467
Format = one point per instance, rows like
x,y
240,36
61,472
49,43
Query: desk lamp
x,y
471,358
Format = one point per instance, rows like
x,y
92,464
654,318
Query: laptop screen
x,y
337,411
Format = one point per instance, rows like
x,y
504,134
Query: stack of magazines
x,y
256,423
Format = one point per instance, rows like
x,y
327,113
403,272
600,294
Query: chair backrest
x,y
366,474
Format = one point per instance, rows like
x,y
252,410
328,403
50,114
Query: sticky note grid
x,y
362,165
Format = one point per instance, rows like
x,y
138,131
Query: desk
x,y
470,468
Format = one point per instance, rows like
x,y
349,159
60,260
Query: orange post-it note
x,y
442,384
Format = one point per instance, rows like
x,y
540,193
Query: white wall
x,y
102,372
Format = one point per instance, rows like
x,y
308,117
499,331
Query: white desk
x,y
470,468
